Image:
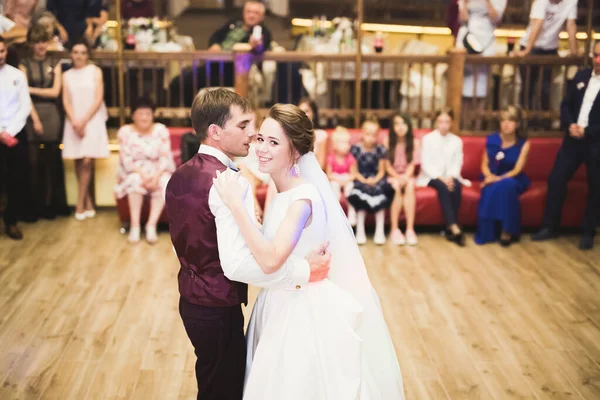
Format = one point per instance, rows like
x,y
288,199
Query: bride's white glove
x,y
230,190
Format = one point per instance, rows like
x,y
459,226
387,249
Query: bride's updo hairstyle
x,y
296,125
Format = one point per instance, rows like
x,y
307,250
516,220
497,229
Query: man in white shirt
x,y
215,262
547,18
580,118
15,106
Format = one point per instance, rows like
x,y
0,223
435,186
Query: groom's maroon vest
x,y
194,236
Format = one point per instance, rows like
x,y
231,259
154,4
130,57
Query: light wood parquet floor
x,y
85,315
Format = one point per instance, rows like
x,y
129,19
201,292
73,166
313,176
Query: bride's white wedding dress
x,y
326,340
302,343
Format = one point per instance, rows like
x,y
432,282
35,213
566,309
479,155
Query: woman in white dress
x,y
327,340
479,18
85,136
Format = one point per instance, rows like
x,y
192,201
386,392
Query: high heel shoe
x,y
90,213
458,238
80,216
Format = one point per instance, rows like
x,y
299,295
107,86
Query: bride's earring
x,y
296,169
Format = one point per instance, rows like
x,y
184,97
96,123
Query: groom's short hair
x,y
212,106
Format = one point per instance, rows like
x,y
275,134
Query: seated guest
x,y
189,146
499,211
145,167
339,168
223,39
404,157
44,128
580,118
441,164
371,192
240,31
312,111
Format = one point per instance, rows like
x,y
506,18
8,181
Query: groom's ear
x,y
214,132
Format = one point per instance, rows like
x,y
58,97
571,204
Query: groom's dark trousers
x,y
210,304
217,334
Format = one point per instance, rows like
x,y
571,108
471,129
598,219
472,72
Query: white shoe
x,y
80,216
352,216
379,238
361,238
397,237
134,235
411,238
90,213
151,236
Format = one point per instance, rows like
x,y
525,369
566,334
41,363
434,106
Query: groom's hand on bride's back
x,y
319,260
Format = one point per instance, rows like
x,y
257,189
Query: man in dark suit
x,y
215,263
580,118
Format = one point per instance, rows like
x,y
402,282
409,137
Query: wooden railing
x,y
429,12
537,83
414,84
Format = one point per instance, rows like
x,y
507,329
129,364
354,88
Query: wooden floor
x,y
85,315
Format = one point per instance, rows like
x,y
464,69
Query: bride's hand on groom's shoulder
x,y
229,188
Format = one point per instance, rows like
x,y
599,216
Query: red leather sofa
x,y
541,159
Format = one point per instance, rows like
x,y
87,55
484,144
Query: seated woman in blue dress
x,y
499,211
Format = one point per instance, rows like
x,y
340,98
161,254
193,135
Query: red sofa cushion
x,y
473,148
533,202
176,134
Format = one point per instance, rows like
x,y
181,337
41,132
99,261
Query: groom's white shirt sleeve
x,y
237,260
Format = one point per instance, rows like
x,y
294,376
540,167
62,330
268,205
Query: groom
x,y
215,262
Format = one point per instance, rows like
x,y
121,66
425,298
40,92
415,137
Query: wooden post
x,y
120,65
242,59
456,73
588,42
358,61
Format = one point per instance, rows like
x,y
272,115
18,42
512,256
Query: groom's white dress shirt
x,y
237,260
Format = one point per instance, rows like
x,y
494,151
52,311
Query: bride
x,y
326,340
